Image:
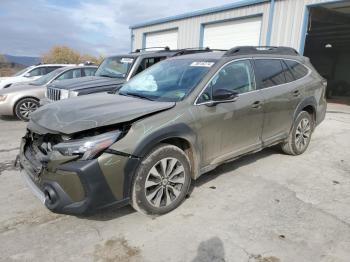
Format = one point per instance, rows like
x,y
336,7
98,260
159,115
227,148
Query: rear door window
x,y
297,69
269,72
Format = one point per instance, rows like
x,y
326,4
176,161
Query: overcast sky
x,y
31,27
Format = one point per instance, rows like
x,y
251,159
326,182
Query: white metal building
x,y
319,29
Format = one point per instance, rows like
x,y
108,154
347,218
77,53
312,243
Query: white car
x,y
28,74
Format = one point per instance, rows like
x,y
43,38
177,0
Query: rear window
x,y
297,69
269,72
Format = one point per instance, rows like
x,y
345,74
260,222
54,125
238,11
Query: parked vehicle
x,y
112,73
29,74
168,125
22,99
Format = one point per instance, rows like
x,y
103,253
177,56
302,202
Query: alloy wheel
x,y
303,134
26,108
165,181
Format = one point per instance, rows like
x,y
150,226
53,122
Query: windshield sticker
x,y
203,64
126,60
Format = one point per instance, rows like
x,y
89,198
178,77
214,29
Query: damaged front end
x,y
74,174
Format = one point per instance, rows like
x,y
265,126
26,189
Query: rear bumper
x,y
321,113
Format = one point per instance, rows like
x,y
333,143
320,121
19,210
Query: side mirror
x,y
224,95
27,75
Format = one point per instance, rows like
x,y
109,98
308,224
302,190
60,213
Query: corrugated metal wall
x,y
286,30
288,21
189,28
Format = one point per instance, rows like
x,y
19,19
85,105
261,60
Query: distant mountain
x,y
23,60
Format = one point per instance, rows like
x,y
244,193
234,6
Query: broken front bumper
x,y
73,187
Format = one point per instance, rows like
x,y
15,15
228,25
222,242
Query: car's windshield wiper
x,y
111,76
135,95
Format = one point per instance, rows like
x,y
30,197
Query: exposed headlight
x,y
64,94
73,93
2,98
87,147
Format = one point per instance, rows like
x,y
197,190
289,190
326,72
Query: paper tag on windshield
x,y
203,64
126,60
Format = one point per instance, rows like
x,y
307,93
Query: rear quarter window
x,y
297,69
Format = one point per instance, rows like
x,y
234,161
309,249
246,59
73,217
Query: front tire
x,y
162,180
25,107
300,136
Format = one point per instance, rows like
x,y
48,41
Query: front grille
x,y
53,94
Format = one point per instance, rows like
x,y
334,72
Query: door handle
x,y
256,105
296,93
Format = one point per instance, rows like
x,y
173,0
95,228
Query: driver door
x,y
231,128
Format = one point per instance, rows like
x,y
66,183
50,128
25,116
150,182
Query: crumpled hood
x,y
91,111
87,82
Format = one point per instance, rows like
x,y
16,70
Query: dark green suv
x,y
168,125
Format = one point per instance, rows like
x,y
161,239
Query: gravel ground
x,y
266,207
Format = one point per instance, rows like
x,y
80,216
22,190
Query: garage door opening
x,y
228,34
327,45
162,39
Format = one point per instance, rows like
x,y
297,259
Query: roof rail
x,y
268,50
192,50
165,48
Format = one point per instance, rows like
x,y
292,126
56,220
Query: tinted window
x,y
37,72
236,76
269,72
89,71
297,69
70,74
287,73
51,68
147,62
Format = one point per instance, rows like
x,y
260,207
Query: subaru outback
x,y
167,126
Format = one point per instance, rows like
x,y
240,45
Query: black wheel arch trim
x,y
175,131
308,101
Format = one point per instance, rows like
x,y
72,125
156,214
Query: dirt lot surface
x,y
266,207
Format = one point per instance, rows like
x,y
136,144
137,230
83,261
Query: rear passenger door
x,y
281,97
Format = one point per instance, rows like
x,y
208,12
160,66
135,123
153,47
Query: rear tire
x,y
25,107
300,136
162,180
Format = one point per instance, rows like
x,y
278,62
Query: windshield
x,y
116,67
21,71
46,78
170,80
